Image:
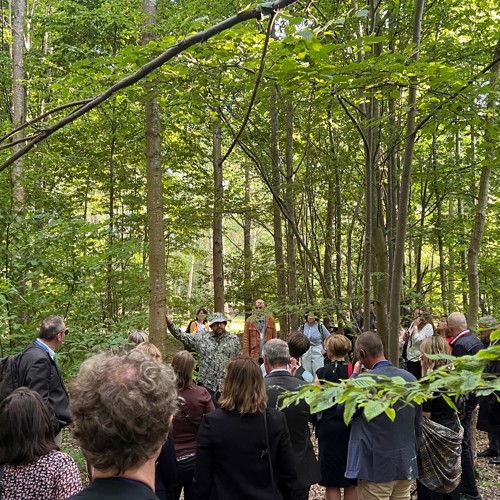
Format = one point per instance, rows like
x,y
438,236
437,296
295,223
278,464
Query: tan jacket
x,y
251,335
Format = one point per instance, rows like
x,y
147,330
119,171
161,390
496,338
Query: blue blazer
x,y
381,451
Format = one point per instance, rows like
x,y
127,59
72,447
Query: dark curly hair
x,y
122,406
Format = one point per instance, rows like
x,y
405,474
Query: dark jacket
x,y
40,373
489,406
231,458
117,488
380,450
466,345
297,419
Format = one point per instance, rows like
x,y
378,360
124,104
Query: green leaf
x,y
450,402
363,382
375,408
350,407
495,335
307,34
399,381
391,413
362,13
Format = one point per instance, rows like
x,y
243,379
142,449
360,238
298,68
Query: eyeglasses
x,y
66,332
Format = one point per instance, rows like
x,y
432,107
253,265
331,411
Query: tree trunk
x,y
157,288
399,247
110,306
18,103
460,210
463,256
277,228
247,246
218,242
439,222
290,236
482,202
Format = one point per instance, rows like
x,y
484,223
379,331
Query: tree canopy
x,y
358,153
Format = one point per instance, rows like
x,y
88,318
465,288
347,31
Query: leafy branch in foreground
x,y
378,394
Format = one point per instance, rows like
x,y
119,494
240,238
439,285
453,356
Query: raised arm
x,y
188,339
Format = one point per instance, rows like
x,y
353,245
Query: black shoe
x,y
487,453
495,461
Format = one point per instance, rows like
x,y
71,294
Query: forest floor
x,y
488,475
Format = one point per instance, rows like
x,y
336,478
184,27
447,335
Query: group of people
x,y
149,431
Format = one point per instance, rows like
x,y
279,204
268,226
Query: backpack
x,y
9,374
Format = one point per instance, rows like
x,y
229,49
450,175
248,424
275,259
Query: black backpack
x,y
9,374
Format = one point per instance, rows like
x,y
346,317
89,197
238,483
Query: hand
x,y
358,368
168,317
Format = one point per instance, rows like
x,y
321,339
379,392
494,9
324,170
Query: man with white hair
x,y
278,381
464,343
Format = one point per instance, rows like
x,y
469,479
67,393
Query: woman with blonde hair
x,y
151,350
243,448
443,431
194,402
333,434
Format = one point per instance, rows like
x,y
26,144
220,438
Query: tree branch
x,y
170,53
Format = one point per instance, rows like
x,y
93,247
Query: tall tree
x,y
279,258
217,223
482,200
156,231
401,226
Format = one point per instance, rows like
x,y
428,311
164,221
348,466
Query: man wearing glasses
x,y
38,371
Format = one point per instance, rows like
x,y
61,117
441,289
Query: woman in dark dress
x,y
437,409
243,448
333,434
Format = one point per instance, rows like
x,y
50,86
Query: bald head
x,y
457,323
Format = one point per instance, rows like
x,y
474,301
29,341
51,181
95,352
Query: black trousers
x,y
185,472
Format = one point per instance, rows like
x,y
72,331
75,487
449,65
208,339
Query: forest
x,y
317,155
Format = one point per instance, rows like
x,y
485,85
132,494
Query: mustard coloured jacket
x,y
251,335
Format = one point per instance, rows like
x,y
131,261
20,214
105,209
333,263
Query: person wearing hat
x,y
214,349
489,407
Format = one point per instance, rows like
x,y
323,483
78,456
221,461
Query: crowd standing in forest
x,y
228,440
